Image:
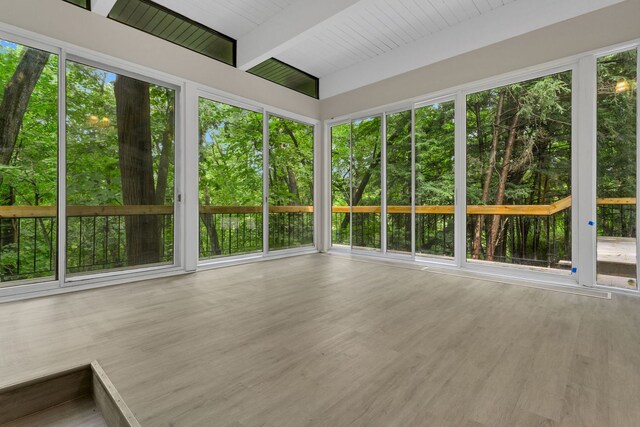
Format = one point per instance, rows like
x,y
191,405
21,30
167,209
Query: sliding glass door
x,y
120,159
230,171
617,165
28,164
519,172
233,179
290,184
366,185
435,179
398,181
341,185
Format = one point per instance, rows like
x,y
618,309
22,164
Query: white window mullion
x,y
351,184
413,182
637,169
265,182
383,185
62,167
460,167
190,197
575,164
584,232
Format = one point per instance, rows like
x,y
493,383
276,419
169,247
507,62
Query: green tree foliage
x,y
92,167
617,125
290,163
616,137
435,177
230,169
231,174
519,153
29,178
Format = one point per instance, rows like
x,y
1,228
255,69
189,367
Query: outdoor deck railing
x,y
96,234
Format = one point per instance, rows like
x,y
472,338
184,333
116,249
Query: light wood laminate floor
x,y
324,340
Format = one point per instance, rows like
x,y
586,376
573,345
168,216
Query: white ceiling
x,y
352,43
378,27
234,18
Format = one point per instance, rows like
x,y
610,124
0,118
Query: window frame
x,y
74,279
582,67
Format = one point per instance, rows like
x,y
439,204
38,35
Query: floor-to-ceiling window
x,y
290,183
120,171
519,173
230,173
28,164
398,181
616,170
356,183
366,186
435,179
341,184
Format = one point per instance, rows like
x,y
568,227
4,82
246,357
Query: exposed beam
x,y
102,7
505,22
287,28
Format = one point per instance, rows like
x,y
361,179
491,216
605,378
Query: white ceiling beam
x,y
102,7
288,27
511,20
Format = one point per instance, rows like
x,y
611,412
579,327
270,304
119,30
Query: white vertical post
x,y
637,168
460,165
62,168
351,184
413,182
190,197
584,232
265,182
383,184
327,185
321,191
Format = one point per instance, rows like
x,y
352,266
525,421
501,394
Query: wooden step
x,y
80,396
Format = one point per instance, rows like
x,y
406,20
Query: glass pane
x,y
230,180
340,184
617,165
28,164
366,145
435,179
290,184
399,182
519,173
120,171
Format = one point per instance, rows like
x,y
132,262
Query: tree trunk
x,y
502,185
292,185
361,187
15,100
477,235
207,220
166,151
133,112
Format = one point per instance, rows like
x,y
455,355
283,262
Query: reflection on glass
x,y
28,164
290,184
120,171
399,182
366,145
435,179
230,180
616,166
340,184
519,155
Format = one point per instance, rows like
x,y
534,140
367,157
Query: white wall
x,y
608,26
71,24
